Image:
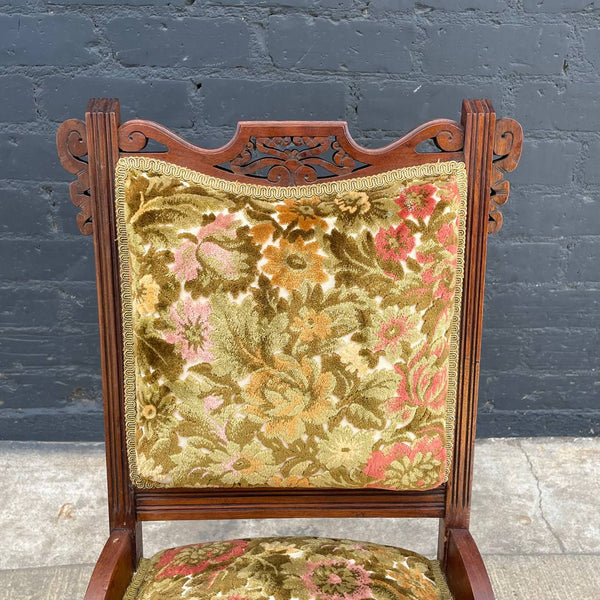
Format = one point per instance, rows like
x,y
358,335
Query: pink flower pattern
x,y
359,584
192,330
195,558
395,243
380,461
186,264
417,200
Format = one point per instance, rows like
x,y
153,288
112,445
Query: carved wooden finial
x,y
508,143
71,144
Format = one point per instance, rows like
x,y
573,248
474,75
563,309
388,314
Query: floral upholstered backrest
x,y
290,336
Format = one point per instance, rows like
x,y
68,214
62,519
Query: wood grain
x,y
478,118
508,145
465,571
114,568
102,122
71,143
260,503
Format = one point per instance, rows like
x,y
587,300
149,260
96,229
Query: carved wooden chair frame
x,y
288,153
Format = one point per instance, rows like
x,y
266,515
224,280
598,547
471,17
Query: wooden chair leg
x,y
114,568
466,574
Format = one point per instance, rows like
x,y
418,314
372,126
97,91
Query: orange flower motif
x,y
289,481
312,325
146,295
262,232
353,202
304,210
289,396
292,263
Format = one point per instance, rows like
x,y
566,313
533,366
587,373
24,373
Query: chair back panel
x,y
299,336
290,154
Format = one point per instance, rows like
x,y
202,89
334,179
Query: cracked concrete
x,y
535,517
541,499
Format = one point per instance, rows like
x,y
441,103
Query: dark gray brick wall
x,y
384,66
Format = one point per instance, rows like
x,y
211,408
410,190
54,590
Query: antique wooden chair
x,y
290,327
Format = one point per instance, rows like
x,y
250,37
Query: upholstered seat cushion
x,y
288,568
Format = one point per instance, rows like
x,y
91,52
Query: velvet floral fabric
x,y
294,568
303,336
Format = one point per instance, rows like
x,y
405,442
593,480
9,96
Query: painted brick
x,y
54,387
111,3
500,349
552,215
275,100
540,307
550,106
28,307
540,422
376,7
190,42
559,6
46,260
584,261
541,391
360,46
400,107
78,304
531,262
28,350
591,46
30,156
16,99
457,5
47,39
491,49
52,425
548,162
24,213
591,167
62,214
564,349
164,101
198,67
312,4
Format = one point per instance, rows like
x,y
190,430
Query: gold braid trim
x,y
461,179
143,163
138,579
440,580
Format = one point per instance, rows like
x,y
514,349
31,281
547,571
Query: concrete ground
x,y
535,517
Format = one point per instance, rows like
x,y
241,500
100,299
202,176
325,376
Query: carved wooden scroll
x,y
72,148
293,160
508,143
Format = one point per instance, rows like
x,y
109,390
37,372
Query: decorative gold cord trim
x,y
138,579
461,180
144,163
440,580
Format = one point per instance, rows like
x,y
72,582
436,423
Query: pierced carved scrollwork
x,y
508,143
72,148
131,139
450,138
293,160
443,134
